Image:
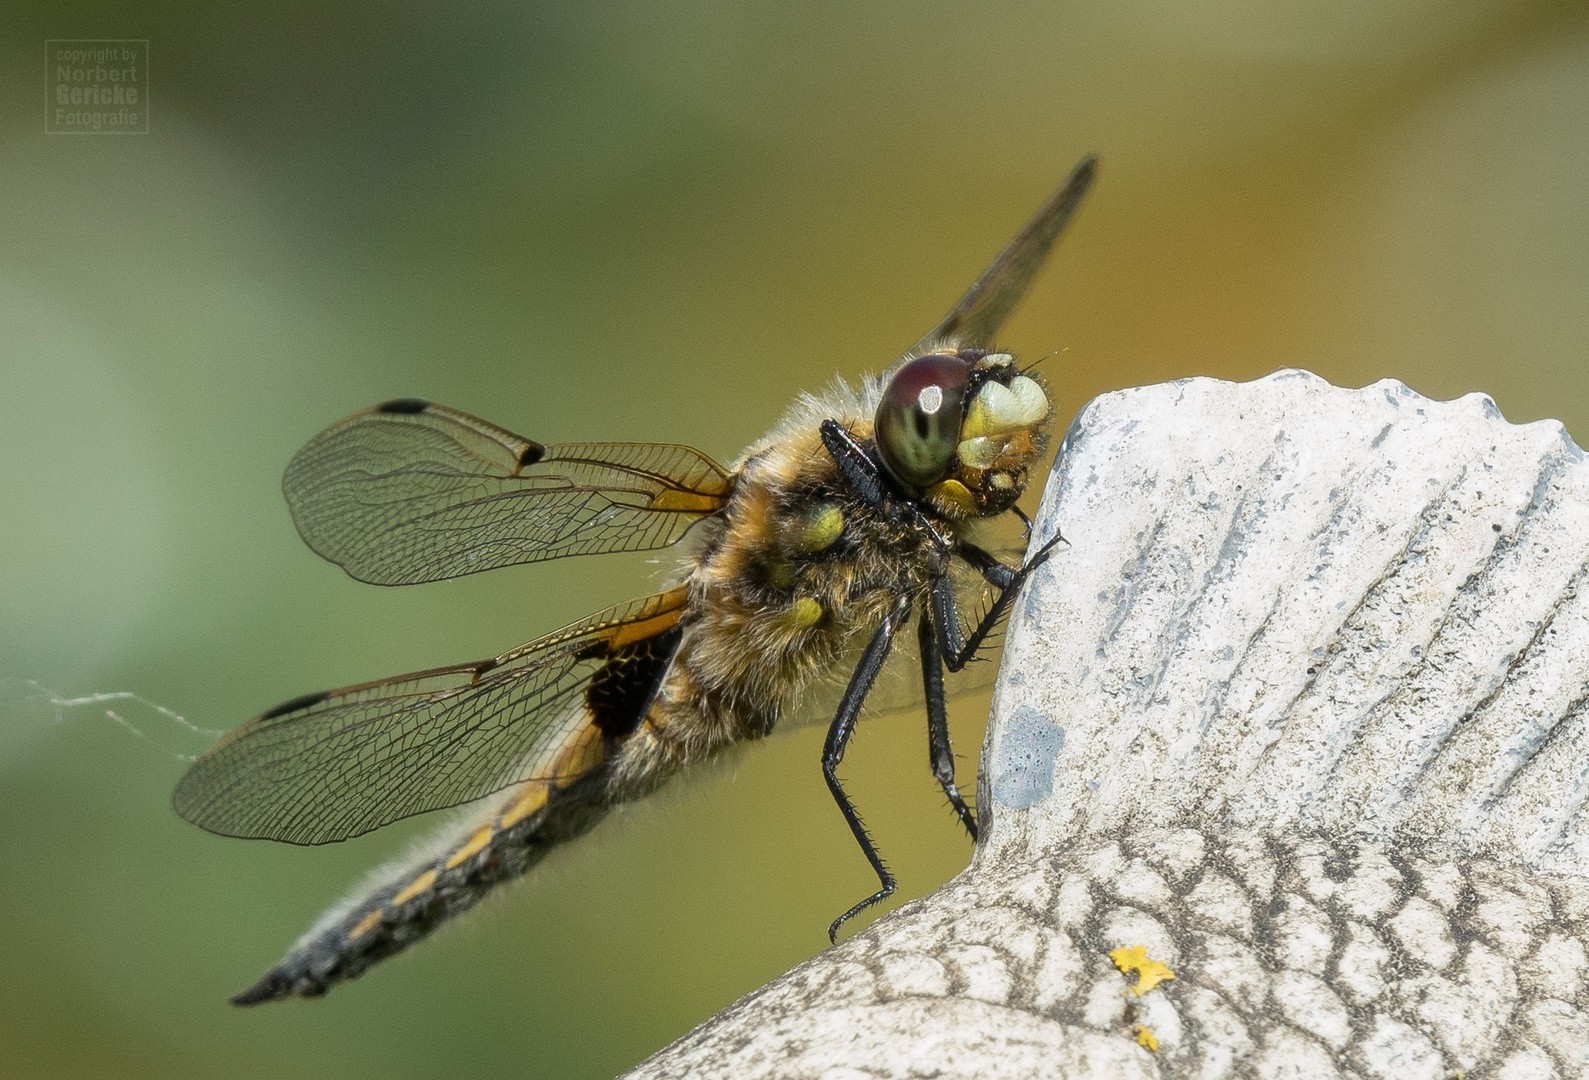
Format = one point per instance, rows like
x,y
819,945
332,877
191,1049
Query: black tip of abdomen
x,y
272,986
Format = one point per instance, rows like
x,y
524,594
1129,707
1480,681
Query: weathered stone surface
x,y
1302,710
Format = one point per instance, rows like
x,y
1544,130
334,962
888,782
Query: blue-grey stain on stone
x,y
1024,773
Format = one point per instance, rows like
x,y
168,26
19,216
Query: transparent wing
x,y
334,765
411,491
976,319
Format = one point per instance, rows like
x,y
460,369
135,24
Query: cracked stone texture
x,y
1304,710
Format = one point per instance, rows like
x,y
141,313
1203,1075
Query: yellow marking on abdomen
x,y
533,798
365,925
476,844
417,886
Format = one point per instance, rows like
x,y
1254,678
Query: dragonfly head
x,y
962,430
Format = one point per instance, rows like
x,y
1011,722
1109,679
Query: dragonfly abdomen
x,y
604,752
409,905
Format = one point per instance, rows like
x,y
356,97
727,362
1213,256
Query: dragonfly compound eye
x,y
918,421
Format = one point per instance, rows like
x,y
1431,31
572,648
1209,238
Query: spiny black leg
x,y
939,753
851,458
993,571
866,479
839,733
1026,522
958,649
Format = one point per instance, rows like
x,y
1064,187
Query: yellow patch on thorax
x,y
819,528
805,613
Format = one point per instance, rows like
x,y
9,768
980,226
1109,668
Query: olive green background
x,y
647,221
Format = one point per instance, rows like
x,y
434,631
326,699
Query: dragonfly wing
x,y
976,319
411,491
333,765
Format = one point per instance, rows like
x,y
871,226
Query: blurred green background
x,y
647,221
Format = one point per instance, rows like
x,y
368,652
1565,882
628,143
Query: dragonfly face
x,y
808,555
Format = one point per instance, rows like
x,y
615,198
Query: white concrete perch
x,y
1301,712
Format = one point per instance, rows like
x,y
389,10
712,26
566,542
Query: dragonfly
x,y
805,563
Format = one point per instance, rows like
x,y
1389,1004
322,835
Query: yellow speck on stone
x,y
1149,972
1146,1039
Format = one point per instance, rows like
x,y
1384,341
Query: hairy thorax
x,y
794,571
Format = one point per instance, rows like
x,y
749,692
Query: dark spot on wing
x,y
294,705
405,406
532,453
622,690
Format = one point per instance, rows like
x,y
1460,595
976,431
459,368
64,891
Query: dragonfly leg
x,y
1026,522
839,733
940,754
958,648
867,480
